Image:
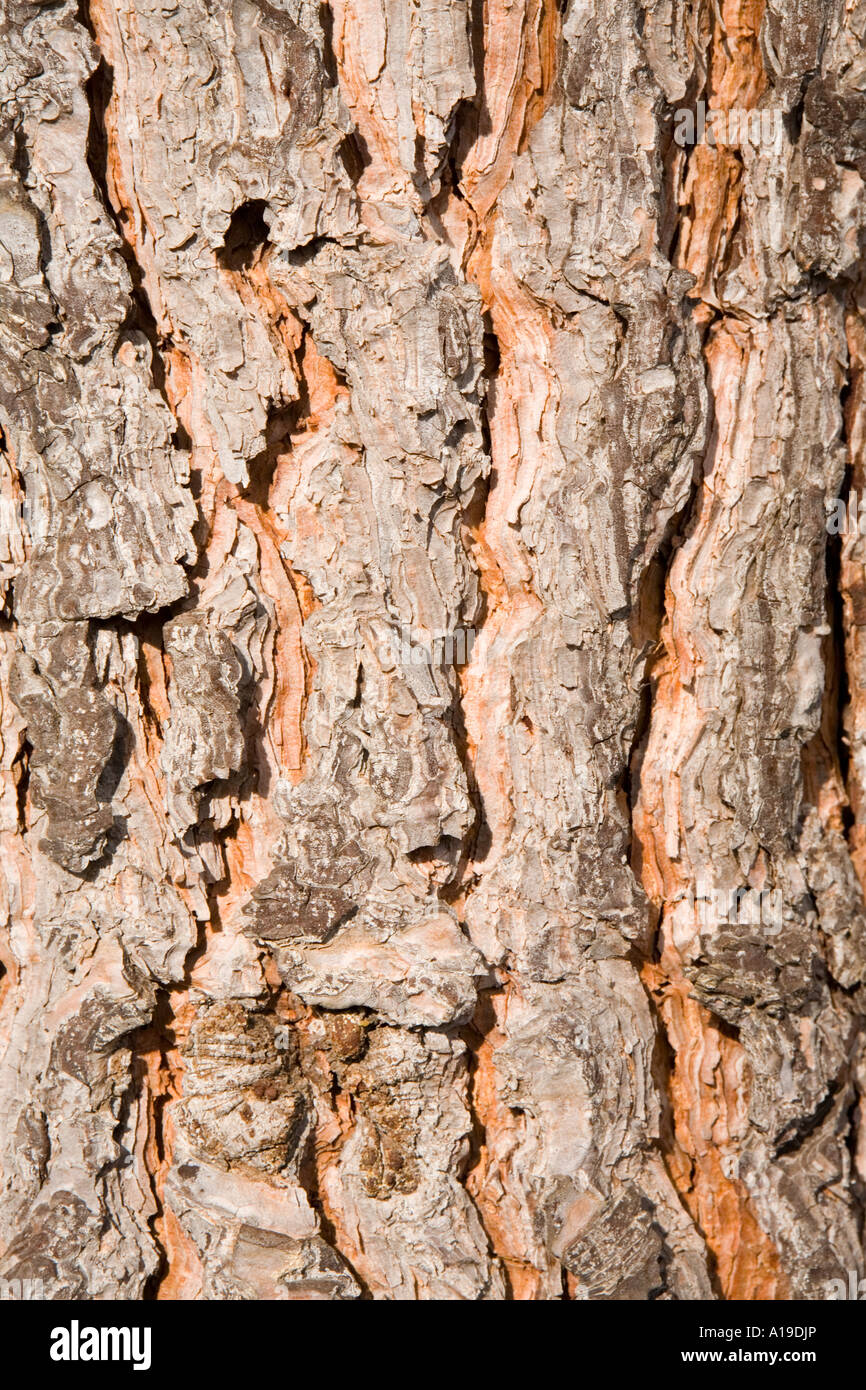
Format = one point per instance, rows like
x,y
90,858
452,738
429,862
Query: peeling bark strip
x,y
331,974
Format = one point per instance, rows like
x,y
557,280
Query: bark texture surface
x,y
337,967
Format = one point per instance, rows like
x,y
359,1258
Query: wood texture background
x,y
329,974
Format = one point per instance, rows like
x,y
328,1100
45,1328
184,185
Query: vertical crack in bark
x,y
845,735
335,1125
177,376
699,1156
848,589
156,1068
157,1063
482,168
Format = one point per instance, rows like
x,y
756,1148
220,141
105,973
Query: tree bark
x,y
432,684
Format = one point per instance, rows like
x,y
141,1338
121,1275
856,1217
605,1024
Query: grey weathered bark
x,y
336,965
